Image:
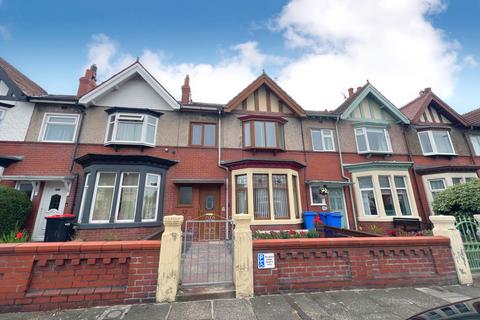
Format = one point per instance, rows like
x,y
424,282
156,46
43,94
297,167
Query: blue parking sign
x,y
265,261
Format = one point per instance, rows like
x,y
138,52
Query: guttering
x,y
354,211
225,168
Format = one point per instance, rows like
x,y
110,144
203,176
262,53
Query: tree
x,y
459,199
15,207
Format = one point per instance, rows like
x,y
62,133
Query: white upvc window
x,y
129,128
475,139
367,192
150,197
436,142
322,140
372,140
127,197
103,197
28,187
59,127
317,199
437,186
86,185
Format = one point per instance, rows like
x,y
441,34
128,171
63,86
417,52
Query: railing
x,y
469,230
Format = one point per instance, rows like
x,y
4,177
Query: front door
x,y
209,209
53,202
337,203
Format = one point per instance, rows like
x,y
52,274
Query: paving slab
x,y
148,311
193,310
395,303
422,300
337,310
233,309
273,308
308,306
444,294
357,302
471,291
76,314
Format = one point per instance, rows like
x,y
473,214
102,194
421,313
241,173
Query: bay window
x,y
437,186
435,142
151,195
269,195
372,140
475,139
402,195
387,196
130,128
322,140
127,199
263,134
103,197
59,127
368,196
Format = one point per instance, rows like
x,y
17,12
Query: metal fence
x,y
469,229
207,251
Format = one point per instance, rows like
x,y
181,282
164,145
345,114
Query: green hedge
x,y
15,207
459,199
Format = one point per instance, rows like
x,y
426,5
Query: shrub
x,y
459,199
14,209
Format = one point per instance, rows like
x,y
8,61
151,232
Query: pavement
x,y
394,304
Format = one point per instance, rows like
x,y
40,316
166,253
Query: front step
x,y
193,293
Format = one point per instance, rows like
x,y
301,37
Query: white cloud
x,y
338,43
4,32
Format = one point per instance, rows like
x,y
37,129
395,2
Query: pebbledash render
x,y
123,153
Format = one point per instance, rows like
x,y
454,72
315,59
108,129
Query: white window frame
x,y
323,134
360,189
84,194
132,117
367,142
396,188
3,112
475,140
17,187
433,144
45,124
436,190
118,193
94,197
389,188
159,181
324,203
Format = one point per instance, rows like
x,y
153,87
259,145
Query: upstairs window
x,y
203,134
129,128
263,135
59,127
476,144
436,142
372,140
322,140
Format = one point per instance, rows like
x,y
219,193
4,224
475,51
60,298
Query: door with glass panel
x,y
209,209
337,203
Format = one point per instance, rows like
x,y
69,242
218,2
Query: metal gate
x,y
469,229
207,251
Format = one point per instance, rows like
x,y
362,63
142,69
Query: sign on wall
x,y
266,261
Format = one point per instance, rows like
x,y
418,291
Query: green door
x,y
337,203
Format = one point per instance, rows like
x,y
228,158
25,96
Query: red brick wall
x,y
137,233
325,264
47,276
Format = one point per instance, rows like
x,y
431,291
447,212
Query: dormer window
x,y
373,140
131,128
263,134
436,142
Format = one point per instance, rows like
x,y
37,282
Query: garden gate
x,y
207,251
469,229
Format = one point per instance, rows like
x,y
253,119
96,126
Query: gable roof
x,y
124,75
264,79
20,82
472,118
347,107
415,108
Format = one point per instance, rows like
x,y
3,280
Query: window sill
x,y
385,219
52,141
441,155
117,145
118,225
277,222
256,149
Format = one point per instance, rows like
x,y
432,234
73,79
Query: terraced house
x,y
122,153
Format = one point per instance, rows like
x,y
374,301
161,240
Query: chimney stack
x,y
186,94
359,88
350,92
88,81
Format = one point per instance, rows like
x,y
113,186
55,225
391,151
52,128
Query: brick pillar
x,y
243,257
170,258
445,226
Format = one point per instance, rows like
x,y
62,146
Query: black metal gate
x,y
207,251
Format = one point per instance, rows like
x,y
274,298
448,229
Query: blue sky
x,y
315,49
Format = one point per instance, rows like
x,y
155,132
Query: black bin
x,y
59,228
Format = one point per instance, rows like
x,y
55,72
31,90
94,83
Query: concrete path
x,y
387,304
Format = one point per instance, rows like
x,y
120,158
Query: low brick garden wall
x,y
333,263
46,276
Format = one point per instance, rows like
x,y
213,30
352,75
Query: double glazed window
x,y
437,186
203,134
322,140
316,198
476,144
436,142
372,140
185,195
59,127
128,195
263,134
241,193
128,128
384,195
26,187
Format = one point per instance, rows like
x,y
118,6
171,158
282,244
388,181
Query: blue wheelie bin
x,y
308,219
334,219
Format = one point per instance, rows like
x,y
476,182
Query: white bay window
x,y
129,128
372,140
435,142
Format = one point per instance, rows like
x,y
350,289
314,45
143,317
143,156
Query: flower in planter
x,y
292,232
392,233
19,235
317,220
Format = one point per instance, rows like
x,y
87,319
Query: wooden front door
x,y
209,209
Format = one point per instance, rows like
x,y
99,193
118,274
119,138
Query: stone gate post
x,y
243,256
445,226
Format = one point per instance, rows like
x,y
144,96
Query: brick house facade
x,y
123,153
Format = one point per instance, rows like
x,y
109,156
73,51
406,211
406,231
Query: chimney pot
x,y
350,92
186,92
88,81
359,88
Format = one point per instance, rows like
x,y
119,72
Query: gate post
x,y
170,258
243,256
445,226
477,218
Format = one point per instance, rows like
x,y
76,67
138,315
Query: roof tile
x,y
26,85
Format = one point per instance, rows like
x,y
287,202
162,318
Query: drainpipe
x,y
226,171
305,160
346,178
74,153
